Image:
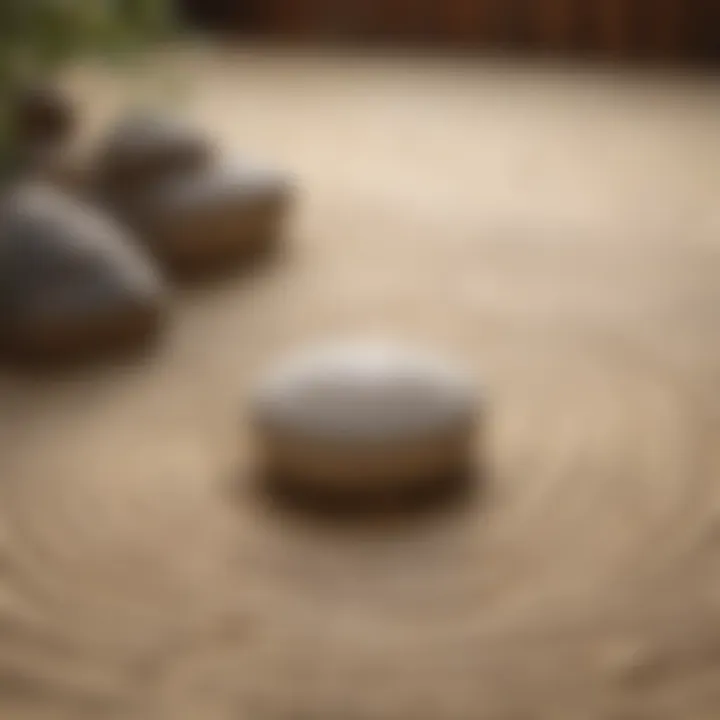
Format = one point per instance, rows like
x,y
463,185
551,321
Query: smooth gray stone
x,y
69,275
144,149
365,420
364,392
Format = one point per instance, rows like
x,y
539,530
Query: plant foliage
x,y
40,37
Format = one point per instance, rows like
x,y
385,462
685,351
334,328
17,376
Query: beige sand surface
x,y
559,233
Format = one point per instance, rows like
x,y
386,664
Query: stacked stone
x,y
80,276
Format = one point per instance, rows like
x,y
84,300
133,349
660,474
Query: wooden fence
x,y
662,29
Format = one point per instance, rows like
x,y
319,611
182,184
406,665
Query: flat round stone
x,y
201,219
70,280
364,420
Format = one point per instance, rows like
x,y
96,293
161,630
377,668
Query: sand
x,y
554,230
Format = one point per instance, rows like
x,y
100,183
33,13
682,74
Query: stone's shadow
x,y
444,494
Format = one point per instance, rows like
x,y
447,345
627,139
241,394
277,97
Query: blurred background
x,y
659,30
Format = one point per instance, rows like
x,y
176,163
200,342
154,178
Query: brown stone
x,y
43,114
196,221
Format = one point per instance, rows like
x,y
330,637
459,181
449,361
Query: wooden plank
x,y
555,25
472,21
612,25
295,18
611,28
666,24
